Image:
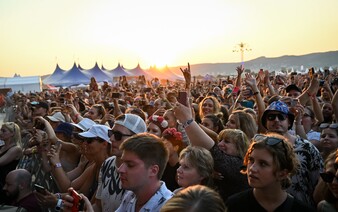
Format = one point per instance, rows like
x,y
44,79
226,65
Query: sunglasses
x,y
326,125
271,141
272,116
91,140
117,134
328,177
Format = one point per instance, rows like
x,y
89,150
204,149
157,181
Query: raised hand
x,y
240,70
187,76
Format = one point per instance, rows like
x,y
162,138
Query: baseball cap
x,y
65,128
132,122
40,104
292,87
281,107
58,116
85,124
97,130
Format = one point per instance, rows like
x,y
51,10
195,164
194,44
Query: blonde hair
x,y
245,122
216,109
197,198
237,137
14,128
202,160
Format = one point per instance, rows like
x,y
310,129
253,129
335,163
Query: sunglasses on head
x,y
326,125
271,141
328,177
117,134
272,116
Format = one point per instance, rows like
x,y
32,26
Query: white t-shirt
x,y
109,189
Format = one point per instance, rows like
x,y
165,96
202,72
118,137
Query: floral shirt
x,y
306,178
154,204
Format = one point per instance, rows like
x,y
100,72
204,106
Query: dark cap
x,y
335,81
40,104
292,87
65,128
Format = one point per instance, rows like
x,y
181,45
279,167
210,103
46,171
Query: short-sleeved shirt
x,y
109,189
154,204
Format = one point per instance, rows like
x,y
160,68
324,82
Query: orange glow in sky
x,y
36,34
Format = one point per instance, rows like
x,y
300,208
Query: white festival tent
x,y
138,71
22,84
55,77
73,77
118,71
97,73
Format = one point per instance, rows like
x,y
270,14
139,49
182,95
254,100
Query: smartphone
x,y
115,95
247,103
39,125
182,97
40,188
78,202
147,89
294,102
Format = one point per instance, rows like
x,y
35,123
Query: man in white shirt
x,y
144,159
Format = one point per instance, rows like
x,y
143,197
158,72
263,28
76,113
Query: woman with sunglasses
x,y
328,138
327,186
269,164
10,152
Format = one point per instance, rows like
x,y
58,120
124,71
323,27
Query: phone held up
x,y
182,98
78,202
115,95
39,188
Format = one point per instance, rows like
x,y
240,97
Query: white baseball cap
x,y
97,130
58,116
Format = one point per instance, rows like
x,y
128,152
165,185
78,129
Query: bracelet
x,y
58,205
187,123
58,195
257,92
34,150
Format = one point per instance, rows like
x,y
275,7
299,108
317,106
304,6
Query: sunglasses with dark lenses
x,y
272,116
326,125
328,177
271,141
117,134
91,140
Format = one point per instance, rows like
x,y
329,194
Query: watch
x,y
187,123
57,165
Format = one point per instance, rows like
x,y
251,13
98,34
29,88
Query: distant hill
x,y
318,60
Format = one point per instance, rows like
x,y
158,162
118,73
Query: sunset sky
x,y
37,34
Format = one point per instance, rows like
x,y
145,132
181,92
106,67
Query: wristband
x,y
58,195
58,205
187,123
257,92
57,165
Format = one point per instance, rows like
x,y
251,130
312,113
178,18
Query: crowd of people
x,y
252,142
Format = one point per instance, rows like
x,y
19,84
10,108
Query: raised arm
x,y
251,81
196,135
335,105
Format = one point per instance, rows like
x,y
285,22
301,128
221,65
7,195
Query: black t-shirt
x,y
246,201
